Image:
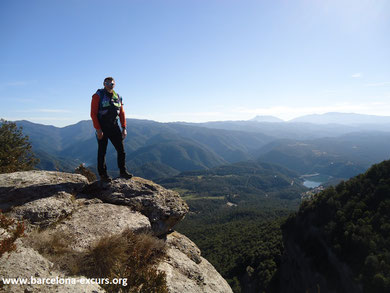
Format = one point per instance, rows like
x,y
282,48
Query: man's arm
x,y
94,115
122,118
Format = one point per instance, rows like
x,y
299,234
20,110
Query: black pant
x,y
114,134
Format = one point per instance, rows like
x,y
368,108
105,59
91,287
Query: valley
x,y
241,184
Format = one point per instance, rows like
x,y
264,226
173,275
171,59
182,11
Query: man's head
x,y
109,84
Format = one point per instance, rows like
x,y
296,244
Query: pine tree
x,y
15,149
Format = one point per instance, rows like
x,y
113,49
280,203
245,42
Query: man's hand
x,y
124,133
99,134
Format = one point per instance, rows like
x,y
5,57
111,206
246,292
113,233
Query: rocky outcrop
x,y
66,204
163,207
187,271
26,263
19,188
93,221
45,211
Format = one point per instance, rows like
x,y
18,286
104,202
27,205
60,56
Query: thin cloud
x,y
386,83
357,75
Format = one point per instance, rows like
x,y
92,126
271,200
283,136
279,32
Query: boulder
x,y
186,271
91,222
45,211
26,263
73,214
19,188
163,207
184,244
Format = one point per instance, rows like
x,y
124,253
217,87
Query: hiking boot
x,y
125,174
105,178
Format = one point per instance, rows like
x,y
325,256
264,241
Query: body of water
x,y
315,180
311,184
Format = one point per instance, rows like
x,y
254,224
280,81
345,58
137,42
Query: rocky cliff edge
x,y
56,202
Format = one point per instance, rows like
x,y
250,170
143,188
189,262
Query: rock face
x,y
163,207
21,187
44,211
92,221
187,271
27,263
65,204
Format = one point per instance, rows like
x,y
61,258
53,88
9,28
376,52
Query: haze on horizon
x,y
195,61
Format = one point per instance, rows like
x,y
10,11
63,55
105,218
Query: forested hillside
x,y
235,216
159,150
339,240
169,148
341,157
344,235
244,243
243,181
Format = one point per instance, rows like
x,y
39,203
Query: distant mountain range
x,y
340,157
159,150
171,147
351,119
260,118
343,118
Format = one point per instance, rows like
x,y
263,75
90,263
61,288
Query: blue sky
x,y
194,60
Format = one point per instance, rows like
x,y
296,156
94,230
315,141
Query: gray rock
x,y
163,207
183,274
45,211
66,205
91,222
27,263
19,188
185,245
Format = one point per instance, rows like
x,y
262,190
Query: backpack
x,y
109,107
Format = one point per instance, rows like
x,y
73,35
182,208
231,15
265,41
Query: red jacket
x,y
95,110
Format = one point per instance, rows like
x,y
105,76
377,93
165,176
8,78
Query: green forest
x,y
354,221
245,242
235,216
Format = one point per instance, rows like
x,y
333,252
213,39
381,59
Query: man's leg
x,y
117,141
102,148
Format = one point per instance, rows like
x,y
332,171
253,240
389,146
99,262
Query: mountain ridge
x,y
350,118
266,118
342,118
178,147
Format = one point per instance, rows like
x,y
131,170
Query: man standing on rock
x,y
106,107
